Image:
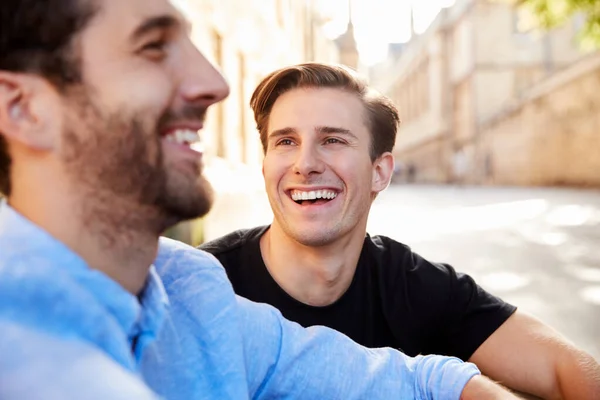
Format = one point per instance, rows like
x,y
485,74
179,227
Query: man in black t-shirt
x,y
327,139
394,299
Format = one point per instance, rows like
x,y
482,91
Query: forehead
x,y
121,17
318,106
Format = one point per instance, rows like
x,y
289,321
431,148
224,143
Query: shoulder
x,y
176,259
388,253
173,251
192,278
383,245
34,292
397,260
36,365
233,241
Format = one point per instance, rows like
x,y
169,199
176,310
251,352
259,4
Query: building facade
x,y
476,59
551,134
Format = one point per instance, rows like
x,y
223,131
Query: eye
x,y
333,140
285,142
155,50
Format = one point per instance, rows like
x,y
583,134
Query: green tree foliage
x,y
553,13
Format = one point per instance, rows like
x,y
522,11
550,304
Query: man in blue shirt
x,y
99,103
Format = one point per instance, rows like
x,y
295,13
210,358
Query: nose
x,y
308,161
201,82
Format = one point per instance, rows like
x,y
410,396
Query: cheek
x,y
148,89
356,174
155,94
271,179
274,171
272,167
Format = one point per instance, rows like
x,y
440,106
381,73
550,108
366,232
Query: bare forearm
x,y
480,387
578,377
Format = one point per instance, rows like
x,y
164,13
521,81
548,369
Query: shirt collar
x,y
20,237
154,302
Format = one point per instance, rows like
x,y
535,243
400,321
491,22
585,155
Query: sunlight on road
x,y
423,223
591,294
573,215
584,273
497,282
427,222
538,235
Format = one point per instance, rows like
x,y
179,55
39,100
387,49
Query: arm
x,y
284,359
480,387
526,355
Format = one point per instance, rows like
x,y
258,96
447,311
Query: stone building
x,y
475,59
551,134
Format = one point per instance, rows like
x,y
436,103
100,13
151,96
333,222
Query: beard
x,y
116,162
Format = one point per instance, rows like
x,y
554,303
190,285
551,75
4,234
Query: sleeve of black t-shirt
x,y
451,314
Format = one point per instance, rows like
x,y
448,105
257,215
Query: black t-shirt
x,y
396,298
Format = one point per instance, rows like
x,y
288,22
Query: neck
x,y
111,237
317,276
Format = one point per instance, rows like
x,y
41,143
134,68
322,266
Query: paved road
x,y
536,248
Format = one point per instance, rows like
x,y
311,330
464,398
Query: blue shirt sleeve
x,y
285,360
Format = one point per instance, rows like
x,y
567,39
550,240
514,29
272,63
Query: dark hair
x,y
36,36
382,115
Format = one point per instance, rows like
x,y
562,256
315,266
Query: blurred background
x,y
498,156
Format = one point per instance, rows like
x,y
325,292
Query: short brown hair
x,y
383,119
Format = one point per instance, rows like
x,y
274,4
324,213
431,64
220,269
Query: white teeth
x,y
183,136
313,195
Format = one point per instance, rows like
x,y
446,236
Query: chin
x,y
314,237
186,202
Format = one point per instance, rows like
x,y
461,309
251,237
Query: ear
x,y
383,167
24,106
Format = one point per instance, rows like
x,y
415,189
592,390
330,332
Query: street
x,y
538,249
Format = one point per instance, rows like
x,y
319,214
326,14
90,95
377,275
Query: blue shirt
x,y
67,331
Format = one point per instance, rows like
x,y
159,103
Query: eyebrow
x,y
158,22
281,132
319,129
335,129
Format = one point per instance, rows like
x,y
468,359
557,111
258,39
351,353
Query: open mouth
x,y
315,197
184,137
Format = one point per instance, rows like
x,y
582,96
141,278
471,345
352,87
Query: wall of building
x,y
551,136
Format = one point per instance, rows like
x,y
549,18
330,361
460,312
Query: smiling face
x,y
148,89
123,134
318,173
